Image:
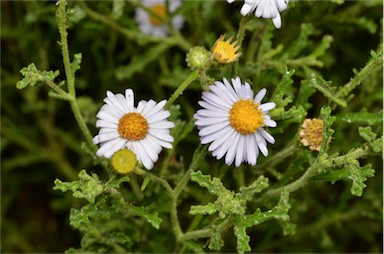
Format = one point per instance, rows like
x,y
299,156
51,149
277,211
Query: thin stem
x,y
277,158
198,157
373,65
58,90
155,179
181,88
62,25
240,37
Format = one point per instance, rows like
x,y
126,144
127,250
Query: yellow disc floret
x,y
124,161
312,133
246,117
161,11
133,126
224,52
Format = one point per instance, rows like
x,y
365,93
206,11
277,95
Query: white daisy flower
x,y
233,120
268,9
152,25
143,129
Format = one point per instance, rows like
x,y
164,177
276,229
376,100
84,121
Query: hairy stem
x,y
181,88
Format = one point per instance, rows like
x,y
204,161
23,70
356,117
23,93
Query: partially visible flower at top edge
x,y
152,25
268,9
143,129
224,51
312,133
233,121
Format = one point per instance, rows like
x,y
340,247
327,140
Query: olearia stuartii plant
x,y
215,122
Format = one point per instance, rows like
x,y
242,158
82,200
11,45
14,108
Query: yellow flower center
x,y
160,10
133,126
224,52
124,161
312,133
245,116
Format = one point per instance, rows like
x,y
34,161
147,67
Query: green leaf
x,y
195,247
247,193
153,219
242,238
87,187
328,120
359,175
367,134
32,75
281,90
203,209
317,82
138,63
215,242
75,65
361,117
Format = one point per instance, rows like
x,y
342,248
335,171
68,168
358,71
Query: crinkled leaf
x,y
32,75
279,95
215,242
242,238
361,117
247,193
214,186
75,65
328,120
359,175
153,219
87,187
203,209
367,134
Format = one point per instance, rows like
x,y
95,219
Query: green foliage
x,y
325,62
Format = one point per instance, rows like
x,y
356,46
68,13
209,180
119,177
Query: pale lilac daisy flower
x,y
233,121
268,9
152,25
143,129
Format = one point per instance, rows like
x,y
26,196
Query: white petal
x,y
123,103
267,106
232,150
246,9
251,148
230,1
103,123
161,136
213,128
108,136
158,107
209,121
144,158
216,135
148,107
268,137
260,95
221,139
129,99
112,146
158,117
262,144
162,125
277,21
104,115
240,151
213,113
219,153
230,89
270,123
216,100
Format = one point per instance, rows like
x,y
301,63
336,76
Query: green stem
x,y
62,25
181,88
155,179
372,65
58,90
277,158
240,37
198,157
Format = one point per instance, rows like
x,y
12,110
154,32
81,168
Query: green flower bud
x,y
198,58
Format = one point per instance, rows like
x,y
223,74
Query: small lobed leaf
x,y
32,75
87,187
246,193
359,175
242,238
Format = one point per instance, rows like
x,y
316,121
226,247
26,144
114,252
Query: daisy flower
x,y
268,9
233,121
153,25
143,129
